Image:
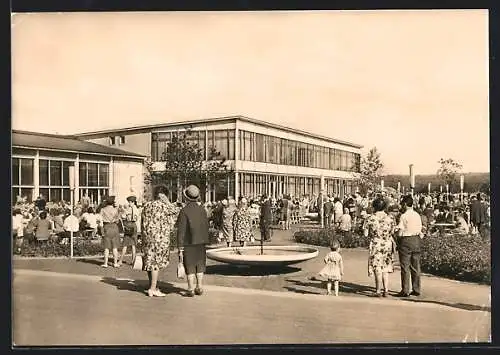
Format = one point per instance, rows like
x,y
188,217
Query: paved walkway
x,y
71,309
460,309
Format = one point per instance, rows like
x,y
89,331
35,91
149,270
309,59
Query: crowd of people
x,y
398,225
393,224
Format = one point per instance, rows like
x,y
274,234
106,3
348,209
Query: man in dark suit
x,y
328,212
477,214
192,238
266,219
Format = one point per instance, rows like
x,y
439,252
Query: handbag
x,y
129,226
137,263
181,272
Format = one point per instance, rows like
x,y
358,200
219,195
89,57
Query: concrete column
x,y
36,177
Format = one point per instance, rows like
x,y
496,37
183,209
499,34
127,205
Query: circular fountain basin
x,y
274,255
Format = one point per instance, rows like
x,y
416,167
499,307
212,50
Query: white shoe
x,y
104,265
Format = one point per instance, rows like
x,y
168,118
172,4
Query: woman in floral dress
x,y
158,220
228,211
380,228
242,223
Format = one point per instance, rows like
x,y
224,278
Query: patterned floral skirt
x,y
381,257
156,252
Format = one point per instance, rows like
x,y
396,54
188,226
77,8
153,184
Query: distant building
x,y
266,158
40,165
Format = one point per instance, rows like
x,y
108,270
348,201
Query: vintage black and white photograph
x,y
250,177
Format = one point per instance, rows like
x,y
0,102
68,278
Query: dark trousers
x,y
409,260
265,231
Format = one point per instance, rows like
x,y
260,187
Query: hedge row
x,y
455,256
461,257
323,237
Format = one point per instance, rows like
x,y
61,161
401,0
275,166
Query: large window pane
x,y
201,142
221,143
345,162
66,195
83,174
44,172
27,171
259,147
154,147
45,193
15,173
55,195
55,173
231,145
211,141
65,173
92,173
337,159
103,175
248,146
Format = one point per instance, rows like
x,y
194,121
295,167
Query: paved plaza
x,y
75,302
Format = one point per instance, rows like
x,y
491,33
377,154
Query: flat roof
x,y
106,132
26,139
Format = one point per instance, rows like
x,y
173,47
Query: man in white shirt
x,y
409,241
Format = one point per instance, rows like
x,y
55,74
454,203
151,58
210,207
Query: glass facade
x,y
222,140
268,149
258,147
22,178
252,185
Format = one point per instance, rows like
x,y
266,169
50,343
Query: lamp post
x,y
462,188
412,179
72,189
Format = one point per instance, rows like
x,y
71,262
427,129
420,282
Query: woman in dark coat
x,y
192,238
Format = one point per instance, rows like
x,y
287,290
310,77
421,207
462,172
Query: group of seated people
x,y
54,225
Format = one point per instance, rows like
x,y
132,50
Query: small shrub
x,y
457,256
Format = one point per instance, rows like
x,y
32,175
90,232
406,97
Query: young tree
x,y
448,171
370,170
184,163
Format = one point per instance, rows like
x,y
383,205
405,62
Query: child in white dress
x,y
334,268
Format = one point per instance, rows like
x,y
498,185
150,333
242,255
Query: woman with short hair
x,y
158,220
111,233
380,228
242,223
130,217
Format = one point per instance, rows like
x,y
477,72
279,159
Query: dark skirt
x,y
111,237
195,259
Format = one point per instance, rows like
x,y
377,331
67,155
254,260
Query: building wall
x,y
127,179
139,143
200,127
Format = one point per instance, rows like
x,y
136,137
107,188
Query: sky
x,y
412,83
